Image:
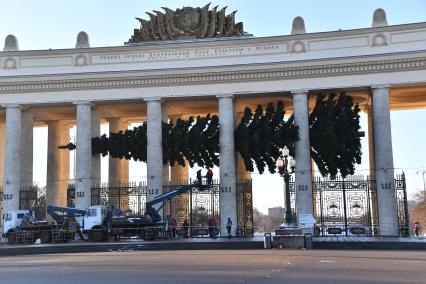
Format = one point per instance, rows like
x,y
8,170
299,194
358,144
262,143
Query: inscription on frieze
x,y
190,54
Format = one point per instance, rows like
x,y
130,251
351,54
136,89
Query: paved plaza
x,y
254,266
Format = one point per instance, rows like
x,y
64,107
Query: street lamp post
x,y
286,169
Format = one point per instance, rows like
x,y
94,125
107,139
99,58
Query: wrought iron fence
x,y
130,197
341,206
245,208
196,206
349,206
199,206
402,205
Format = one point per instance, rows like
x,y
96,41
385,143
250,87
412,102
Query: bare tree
x,y
418,212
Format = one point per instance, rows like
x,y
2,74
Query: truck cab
x,y
95,216
95,223
12,220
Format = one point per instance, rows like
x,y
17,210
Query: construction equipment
x,y
19,227
97,223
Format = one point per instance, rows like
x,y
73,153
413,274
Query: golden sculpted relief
x,y
187,23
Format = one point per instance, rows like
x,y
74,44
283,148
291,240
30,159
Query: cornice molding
x,y
221,42
214,77
10,106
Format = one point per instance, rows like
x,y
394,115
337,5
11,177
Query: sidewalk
x,y
133,245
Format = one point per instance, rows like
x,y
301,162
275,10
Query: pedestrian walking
x,y
229,227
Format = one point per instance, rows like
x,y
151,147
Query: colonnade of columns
x,y
18,156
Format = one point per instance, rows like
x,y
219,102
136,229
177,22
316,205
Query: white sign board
x,y
306,221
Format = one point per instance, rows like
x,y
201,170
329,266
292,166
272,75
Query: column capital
x,y
153,99
12,106
381,86
61,121
113,119
220,96
82,103
299,91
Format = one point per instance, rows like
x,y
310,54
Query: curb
x,y
140,246
382,245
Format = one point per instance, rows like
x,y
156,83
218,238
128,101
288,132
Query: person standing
x,y
185,228
417,228
209,224
213,228
229,227
199,178
209,176
174,226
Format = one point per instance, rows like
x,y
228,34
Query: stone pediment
x,y
187,23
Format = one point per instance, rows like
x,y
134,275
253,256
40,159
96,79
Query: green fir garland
x,y
335,135
335,138
260,136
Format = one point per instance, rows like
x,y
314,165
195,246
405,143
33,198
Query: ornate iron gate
x,y
196,206
245,208
129,197
199,206
402,205
349,206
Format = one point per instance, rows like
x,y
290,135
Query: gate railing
x,y
129,197
349,206
196,206
341,206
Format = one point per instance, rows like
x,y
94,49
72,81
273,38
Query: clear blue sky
x,y
45,24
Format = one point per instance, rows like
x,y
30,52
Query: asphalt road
x,y
251,266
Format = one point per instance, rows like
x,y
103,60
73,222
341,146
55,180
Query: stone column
x,y
2,144
57,163
388,223
27,149
178,174
228,196
118,169
83,178
303,155
12,162
166,167
96,159
371,155
154,150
